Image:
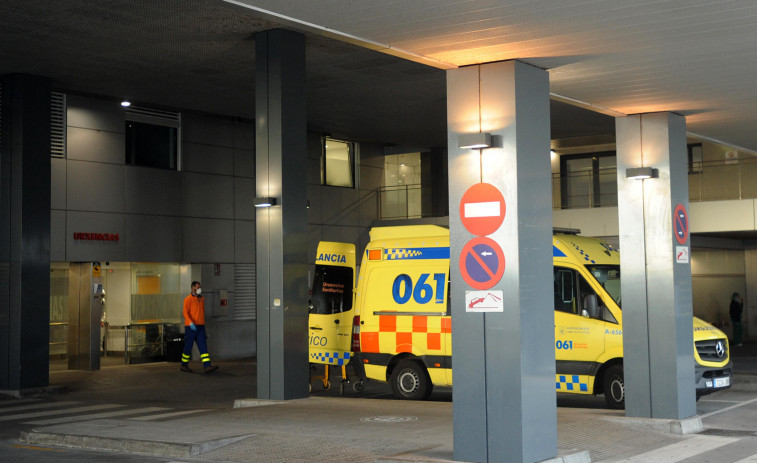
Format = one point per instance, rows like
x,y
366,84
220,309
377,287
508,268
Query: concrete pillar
x,y
504,361
24,232
281,230
656,284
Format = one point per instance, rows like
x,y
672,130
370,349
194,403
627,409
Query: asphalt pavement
x,y
154,412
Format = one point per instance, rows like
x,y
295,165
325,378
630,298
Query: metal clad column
x,y
656,289
281,230
504,362
24,232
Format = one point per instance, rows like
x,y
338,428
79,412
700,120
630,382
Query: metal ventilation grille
x,y
244,292
153,116
57,125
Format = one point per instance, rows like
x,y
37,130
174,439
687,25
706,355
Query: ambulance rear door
x,y
331,306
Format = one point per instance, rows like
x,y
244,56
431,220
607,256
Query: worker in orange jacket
x,y
194,330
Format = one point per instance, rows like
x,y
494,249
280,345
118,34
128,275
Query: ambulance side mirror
x,y
591,306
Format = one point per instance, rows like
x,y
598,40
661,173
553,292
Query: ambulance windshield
x,y
609,277
332,290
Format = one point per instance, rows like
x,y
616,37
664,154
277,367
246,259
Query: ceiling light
x,y
475,141
126,103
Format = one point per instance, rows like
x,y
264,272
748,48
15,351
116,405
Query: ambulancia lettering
x,y
336,258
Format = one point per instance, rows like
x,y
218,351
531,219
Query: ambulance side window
x,y
332,290
565,290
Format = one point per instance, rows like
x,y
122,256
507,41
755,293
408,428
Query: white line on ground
x,y
89,408
166,415
38,406
751,459
740,404
681,450
97,416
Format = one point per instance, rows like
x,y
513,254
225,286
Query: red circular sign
x,y
482,263
681,224
482,209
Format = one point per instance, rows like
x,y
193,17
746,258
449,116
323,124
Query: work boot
x,y
211,369
185,368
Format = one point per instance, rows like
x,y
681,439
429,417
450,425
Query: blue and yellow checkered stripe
x,y
572,383
330,358
416,253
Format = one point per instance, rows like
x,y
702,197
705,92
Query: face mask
x,y
198,291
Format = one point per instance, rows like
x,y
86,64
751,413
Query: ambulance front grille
x,y
709,351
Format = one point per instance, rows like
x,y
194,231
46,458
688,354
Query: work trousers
x,y
195,336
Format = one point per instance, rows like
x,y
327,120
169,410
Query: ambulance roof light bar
x,y
475,141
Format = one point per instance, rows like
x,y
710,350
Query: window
x,y
332,290
695,158
338,163
588,180
573,294
152,138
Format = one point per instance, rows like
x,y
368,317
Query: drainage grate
x,y
728,433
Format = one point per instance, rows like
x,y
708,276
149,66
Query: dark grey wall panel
x,y
207,240
314,171
210,159
244,199
244,135
207,130
368,207
95,145
93,186
208,196
152,238
340,205
371,177
96,114
244,241
244,163
315,210
58,236
152,191
95,250
57,183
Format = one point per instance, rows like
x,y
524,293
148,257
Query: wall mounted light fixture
x,y
474,141
265,202
641,173
125,103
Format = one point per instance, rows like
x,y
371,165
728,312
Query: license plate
x,y
722,382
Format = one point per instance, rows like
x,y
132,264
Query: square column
x,y
658,342
24,232
503,361
281,230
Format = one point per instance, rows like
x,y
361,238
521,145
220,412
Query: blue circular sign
x,y
482,263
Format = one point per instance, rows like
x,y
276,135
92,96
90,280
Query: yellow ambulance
x,y
401,330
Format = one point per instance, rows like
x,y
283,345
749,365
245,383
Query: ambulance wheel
x,y
327,385
410,381
615,388
310,388
358,387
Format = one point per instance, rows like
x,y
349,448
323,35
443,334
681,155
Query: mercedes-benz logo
x,y
720,349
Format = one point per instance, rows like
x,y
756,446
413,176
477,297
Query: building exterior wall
x,y
201,214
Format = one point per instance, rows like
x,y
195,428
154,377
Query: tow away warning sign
x,y
484,301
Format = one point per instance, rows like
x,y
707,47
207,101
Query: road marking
x,y
682,450
740,404
38,405
97,416
751,459
89,408
166,415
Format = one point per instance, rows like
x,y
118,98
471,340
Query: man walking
x,y
194,330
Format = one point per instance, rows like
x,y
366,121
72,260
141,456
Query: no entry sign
x,y
482,263
482,209
681,224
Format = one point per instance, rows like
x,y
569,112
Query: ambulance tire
x,y
615,388
410,381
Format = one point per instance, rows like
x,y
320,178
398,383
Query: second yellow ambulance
x,y
401,324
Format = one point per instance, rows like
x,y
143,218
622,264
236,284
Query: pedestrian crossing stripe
x,y
50,413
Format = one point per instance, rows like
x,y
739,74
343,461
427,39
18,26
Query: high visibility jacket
x,y
194,310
